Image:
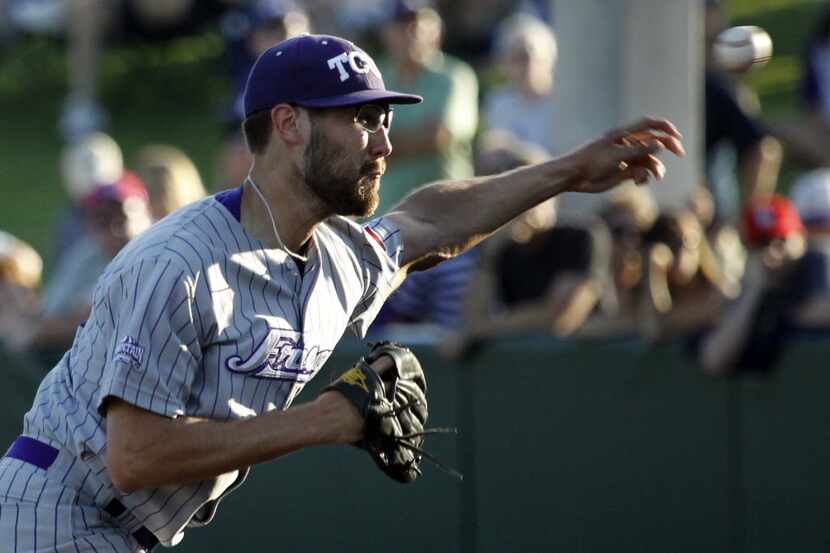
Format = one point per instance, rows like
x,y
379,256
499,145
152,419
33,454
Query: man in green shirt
x,y
433,140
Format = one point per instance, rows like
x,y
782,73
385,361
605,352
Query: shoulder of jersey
x,y
157,240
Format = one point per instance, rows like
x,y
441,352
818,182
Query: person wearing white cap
x,y
811,196
92,160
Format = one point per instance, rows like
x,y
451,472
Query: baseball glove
x,y
394,407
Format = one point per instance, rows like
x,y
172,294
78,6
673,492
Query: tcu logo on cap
x,y
357,61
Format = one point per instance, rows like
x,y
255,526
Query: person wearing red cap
x,y
117,212
751,334
114,213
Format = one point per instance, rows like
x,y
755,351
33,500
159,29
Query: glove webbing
x,y
402,441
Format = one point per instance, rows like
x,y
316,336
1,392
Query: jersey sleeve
x,y
380,251
154,347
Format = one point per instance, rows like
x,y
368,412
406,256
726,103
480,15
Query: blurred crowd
x,y
731,276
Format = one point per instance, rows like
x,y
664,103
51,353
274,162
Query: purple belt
x,y
43,455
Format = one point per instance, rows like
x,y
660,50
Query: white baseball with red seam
x,y
741,48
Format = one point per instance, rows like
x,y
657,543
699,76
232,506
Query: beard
x,y
344,187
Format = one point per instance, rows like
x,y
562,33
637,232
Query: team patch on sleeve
x,y
374,235
130,352
386,234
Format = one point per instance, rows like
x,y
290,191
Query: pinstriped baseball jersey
x,y
197,318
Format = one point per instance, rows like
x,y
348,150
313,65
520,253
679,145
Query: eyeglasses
x,y
371,117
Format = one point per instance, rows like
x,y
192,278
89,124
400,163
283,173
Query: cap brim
x,y
362,97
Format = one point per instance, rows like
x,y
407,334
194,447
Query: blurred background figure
x,y
440,296
248,31
94,159
526,51
811,195
685,284
806,135
742,159
542,274
352,19
474,25
89,25
432,299
751,334
816,85
722,240
629,215
20,276
431,140
171,179
114,213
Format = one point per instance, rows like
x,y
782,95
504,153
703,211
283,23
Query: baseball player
x,y
206,327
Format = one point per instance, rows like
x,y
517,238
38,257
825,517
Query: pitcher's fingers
x,y
636,150
673,145
644,129
640,175
654,166
652,124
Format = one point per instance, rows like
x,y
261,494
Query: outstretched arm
x,y
446,218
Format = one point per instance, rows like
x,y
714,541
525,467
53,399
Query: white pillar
x,y
620,60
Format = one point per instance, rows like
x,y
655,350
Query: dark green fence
x,y
564,448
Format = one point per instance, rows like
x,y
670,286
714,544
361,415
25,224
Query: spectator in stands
x,y
20,274
433,299
433,140
171,179
348,18
543,274
685,284
817,72
115,213
527,51
751,334
736,143
806,138
437,296
811,195
248,31
474,24
721,240
95,158
629,214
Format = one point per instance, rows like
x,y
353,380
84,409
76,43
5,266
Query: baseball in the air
x,y
739,49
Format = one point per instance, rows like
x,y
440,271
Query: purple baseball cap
x,y
318,71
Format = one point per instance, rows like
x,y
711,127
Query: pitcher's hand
x,y
629,153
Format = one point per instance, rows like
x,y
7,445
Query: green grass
x,y
170,93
